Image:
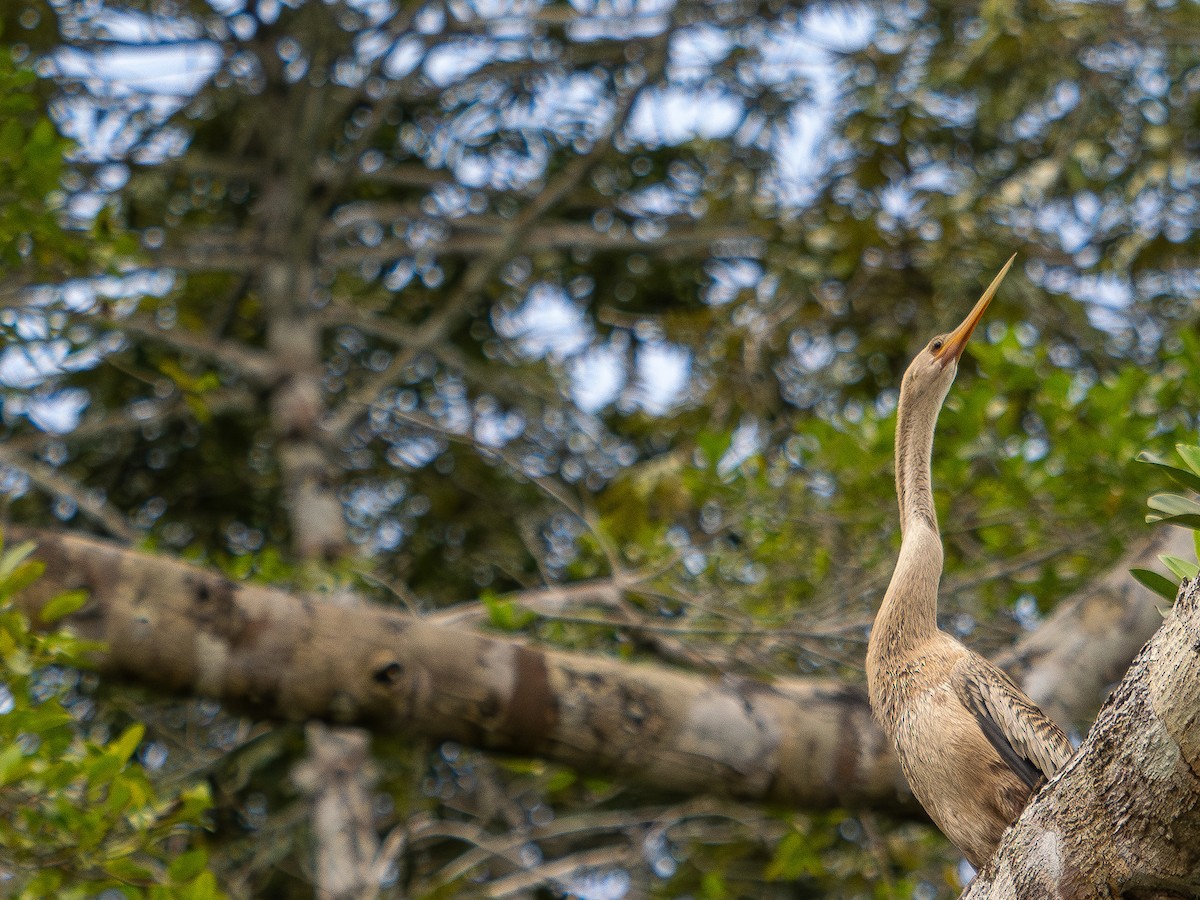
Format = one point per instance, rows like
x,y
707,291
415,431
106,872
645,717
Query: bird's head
x,y
930,375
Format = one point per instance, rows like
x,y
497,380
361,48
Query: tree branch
x,y
1122,819
557,236
92,505
248,362
804,742
125,421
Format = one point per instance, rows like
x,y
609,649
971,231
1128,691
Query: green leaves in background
x,y
505,614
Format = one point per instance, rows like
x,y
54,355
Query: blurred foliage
x,y
33,243
81,816
678,372
31,162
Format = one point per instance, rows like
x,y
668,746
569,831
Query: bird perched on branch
x,y
973,746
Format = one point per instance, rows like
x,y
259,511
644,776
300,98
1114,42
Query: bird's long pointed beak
x,y
956,343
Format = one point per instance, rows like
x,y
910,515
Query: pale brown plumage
x,y
973,746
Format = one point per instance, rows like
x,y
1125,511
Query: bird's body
x,y
972,744
972,786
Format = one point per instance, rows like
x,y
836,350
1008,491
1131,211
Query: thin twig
x,y
55,482
247,361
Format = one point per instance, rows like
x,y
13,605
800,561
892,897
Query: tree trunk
x,y
336,770
1123,817
338,775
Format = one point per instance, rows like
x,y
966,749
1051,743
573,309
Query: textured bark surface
x,y
801,742
1122,819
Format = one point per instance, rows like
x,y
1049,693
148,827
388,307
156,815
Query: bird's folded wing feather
x,y
1029,742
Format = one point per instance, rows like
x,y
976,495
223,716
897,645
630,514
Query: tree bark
x,y
803,742
1122,819
338,775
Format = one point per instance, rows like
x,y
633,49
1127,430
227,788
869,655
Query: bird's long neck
x,y
908,616
914,463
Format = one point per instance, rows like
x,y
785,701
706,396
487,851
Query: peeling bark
x,y
1122,819
802,742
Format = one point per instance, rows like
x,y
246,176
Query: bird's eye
x,y
936,345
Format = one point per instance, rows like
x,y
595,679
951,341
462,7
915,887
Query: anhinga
x,y
971,743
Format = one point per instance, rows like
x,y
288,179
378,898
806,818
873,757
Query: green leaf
x,y
187,866
560,781
1188,521
712,886
1173,504
1181,568
195,800
1191,456
1181,476
1160,584
122,748
14,557
505,614
203,888
63,605
26,574
11,759
125,869
794,856
100,771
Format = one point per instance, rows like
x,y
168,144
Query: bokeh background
x,y
443,302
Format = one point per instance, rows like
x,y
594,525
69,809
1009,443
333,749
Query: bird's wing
x,y
1029,742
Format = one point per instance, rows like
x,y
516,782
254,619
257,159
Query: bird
x,y
973,746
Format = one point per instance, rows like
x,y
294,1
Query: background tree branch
x,y
1072,660
805,742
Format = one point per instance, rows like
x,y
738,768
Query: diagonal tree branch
x,y
1122,819
805,742
92,505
